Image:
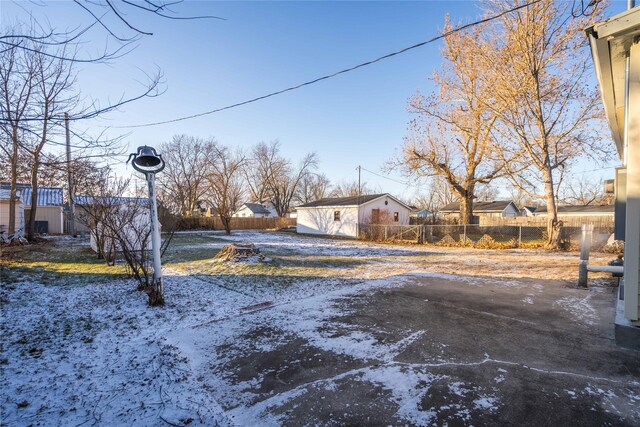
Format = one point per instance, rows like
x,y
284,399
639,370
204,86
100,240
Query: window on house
x,y
336,215
396,216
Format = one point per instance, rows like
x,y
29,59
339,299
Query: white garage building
x,y
339,216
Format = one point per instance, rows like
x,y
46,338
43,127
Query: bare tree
x,y
584,191
486,193
114,17
548,107
313,187
258,167
452,135
350,189
226,185
437,196
16,80
183,183
36,90
120,226
53,80
281,180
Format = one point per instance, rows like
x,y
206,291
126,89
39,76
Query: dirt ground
x,y
325,332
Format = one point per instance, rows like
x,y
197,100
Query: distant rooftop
x,y
257,208
494,206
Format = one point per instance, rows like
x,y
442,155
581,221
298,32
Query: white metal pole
x,y
155,235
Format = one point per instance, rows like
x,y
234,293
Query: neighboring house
x,y
49,212
578,210
292,214
4,212
528,211
616,57
340,216
253,210
494,209
421,213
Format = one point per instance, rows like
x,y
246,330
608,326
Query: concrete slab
x,y
424,349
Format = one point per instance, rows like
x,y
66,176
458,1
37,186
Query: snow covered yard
x,y
324,332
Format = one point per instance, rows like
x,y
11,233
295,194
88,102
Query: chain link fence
x,y
480,236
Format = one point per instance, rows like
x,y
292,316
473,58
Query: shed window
x,y
396,216
336,215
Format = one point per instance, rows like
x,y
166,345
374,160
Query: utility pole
x,y
71,220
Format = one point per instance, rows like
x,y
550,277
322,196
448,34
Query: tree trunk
x,y
466,208
34,199
226,223
553,225
14,177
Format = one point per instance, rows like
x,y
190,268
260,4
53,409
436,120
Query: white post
x,y
585,246
155,239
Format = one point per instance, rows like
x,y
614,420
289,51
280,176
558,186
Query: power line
x,y
391,179
337,73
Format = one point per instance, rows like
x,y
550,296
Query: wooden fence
x,y
214,223
604,221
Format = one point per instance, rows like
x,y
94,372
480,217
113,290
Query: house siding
x,y
51,214
632,233
4,215
320,220
392,206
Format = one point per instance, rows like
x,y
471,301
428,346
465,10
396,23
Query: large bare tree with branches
x,y
225,182
452,135
183,182
273,178
548,108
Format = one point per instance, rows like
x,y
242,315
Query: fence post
x,y
519,236
585,246
464,239
385,232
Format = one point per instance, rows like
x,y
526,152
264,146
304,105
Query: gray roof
x,y
494,206
343,201
580,209
47,196
257,208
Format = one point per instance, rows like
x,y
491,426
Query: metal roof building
x,y
47,196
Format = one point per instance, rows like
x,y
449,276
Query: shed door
x,y
375,216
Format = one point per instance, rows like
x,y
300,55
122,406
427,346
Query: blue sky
x,y
355,119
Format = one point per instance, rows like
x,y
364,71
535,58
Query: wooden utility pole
x,y
71,220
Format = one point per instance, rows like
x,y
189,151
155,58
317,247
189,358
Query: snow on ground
x,y
91,352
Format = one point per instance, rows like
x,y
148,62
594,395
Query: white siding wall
x,y
510,211
391,207
4,215
246,213
632,233
53,215
320,220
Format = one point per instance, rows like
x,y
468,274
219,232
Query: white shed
x,y
339,216
4,212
